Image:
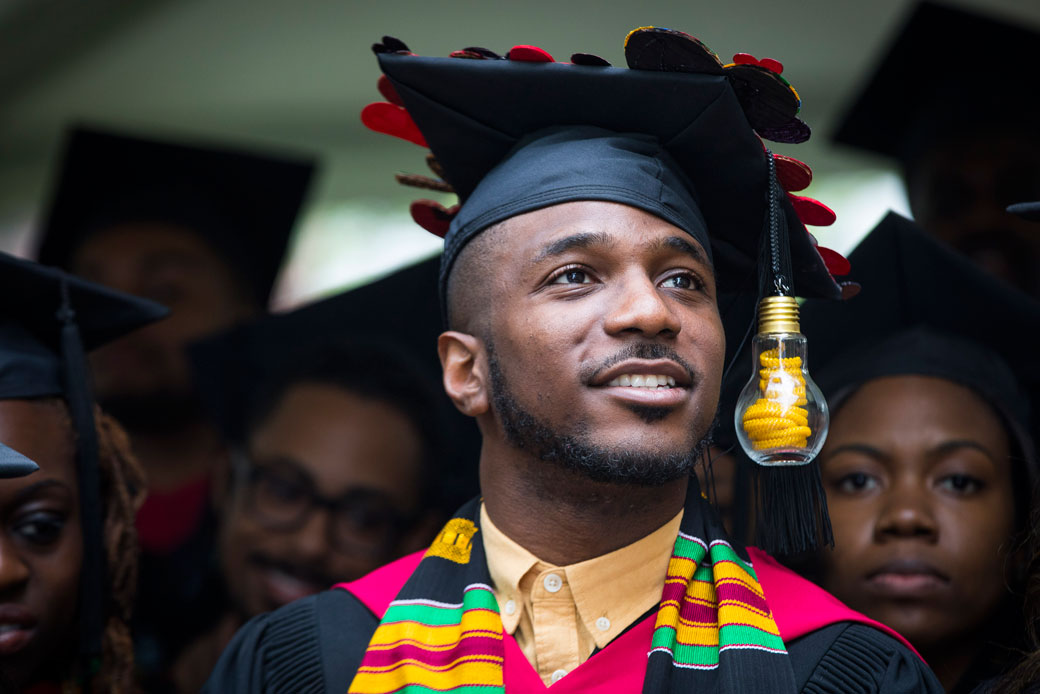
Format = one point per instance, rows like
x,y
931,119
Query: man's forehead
x,y
598,225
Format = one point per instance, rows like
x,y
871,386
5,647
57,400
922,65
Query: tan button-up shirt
x,y
560,614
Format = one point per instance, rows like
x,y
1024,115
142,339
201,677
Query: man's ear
x,y
464,365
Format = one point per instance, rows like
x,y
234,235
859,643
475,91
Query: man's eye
x,y
40,528
572,277
683,281
960,484
856,482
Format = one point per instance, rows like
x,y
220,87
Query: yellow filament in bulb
x,y
778,418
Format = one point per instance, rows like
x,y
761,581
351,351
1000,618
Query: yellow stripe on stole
x,y
434,637
478,673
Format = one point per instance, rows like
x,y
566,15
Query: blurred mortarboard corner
x,y
14,464
243,203
949,71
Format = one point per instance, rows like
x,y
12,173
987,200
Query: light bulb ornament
x,y
781,416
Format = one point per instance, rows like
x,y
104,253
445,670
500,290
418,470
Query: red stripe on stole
x,y
488,646
734,591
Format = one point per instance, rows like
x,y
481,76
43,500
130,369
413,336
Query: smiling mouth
x,y
643,381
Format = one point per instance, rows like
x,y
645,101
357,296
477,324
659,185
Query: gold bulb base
x,y
778,314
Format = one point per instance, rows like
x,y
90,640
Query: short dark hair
x,y
374,370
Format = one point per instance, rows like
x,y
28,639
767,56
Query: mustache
x,y
639,350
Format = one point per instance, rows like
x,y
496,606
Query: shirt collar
x,y
620,586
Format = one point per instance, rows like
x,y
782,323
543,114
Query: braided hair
x,y
122,491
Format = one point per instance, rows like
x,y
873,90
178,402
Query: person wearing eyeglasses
x,y
331,479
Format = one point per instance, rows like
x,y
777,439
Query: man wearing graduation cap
x,y
602,210
202,230
954,101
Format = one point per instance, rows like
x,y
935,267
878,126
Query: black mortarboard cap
x,y
926,310
400,311
14,464
948,70
48,320
674,135
243,203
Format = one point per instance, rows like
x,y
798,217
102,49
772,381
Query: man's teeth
x,y
640,381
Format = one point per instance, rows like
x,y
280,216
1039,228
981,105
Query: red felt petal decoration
x,y
433,216
744,59
392,120
388,91
529,54
812,211
792,174
772,65
836,263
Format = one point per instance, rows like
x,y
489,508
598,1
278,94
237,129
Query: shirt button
x,y
558,675
510,607
553,583
602,623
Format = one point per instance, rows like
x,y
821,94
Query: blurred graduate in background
x,y
930,463
68,546
343,452
954,101
204,231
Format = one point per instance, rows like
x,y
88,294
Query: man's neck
x,y
561,516
174,458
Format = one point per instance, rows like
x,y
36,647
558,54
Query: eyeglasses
x,y
282,496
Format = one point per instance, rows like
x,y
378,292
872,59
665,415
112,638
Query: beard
x,y
574,450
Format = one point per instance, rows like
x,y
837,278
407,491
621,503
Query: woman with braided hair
x,y
68,545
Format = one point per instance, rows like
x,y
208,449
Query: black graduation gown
x,y
304,647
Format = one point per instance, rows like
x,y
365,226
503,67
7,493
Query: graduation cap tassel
x,y
92,598
781,415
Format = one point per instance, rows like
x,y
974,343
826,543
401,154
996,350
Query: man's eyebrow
x,y
682,245
585,239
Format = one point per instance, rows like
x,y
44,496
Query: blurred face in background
x,y
41,546
920,493
328,490
960,190
144,379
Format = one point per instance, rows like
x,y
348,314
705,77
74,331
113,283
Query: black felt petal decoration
x,y
793,132
589,59
767,99
484,52
652,48
390,45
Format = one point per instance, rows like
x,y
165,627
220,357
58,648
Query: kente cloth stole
x,y
713,633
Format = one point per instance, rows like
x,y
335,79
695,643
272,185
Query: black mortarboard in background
x,y
926,310
400,311
48,321
948,71
14,464
243,203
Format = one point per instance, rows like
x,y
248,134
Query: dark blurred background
x,y
294,76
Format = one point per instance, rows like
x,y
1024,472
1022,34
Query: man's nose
x,y
638,306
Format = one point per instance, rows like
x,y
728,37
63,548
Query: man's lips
x,y
648,383
284,582
907,579
17,628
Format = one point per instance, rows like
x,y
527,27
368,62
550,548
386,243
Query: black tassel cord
x,y
92,594
790,503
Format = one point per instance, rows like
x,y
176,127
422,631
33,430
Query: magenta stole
x,y
799,607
